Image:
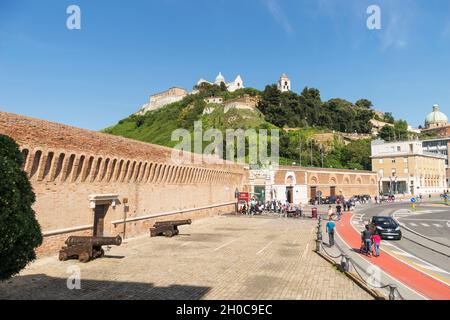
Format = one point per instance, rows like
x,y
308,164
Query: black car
x,y
387,227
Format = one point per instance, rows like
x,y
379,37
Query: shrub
x,y
20,232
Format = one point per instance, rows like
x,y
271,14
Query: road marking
x,y
401,256
306,251
262,250
433,220
413,224
433,268
186,244
385,272
425,224
224,245
437,225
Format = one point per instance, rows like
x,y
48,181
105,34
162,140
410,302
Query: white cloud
x,y
278,14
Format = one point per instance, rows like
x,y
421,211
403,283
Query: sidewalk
x,y
406,274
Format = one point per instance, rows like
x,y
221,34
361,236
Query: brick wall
x,y
66,165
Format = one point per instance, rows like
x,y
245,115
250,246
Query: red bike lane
x,y
411,277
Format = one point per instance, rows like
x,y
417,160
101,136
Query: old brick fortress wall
x,y
66,165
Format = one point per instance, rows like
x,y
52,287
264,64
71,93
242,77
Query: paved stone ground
x,y
224,257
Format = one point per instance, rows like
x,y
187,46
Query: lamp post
x,y
236,196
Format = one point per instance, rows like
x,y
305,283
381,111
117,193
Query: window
x,y
381,172
405,171
405,160
381,161
398,148
393,160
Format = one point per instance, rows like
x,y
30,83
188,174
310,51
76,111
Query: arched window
x,y
25,158
88,169
119,171
96,169
105,169
48,164
68,169
79,167
59,166
111,170
36,161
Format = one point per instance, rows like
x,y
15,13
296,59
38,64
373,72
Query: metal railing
x,y
347,264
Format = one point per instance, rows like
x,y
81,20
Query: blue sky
x,y
128,50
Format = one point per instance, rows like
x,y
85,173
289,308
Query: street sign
x,y
413,200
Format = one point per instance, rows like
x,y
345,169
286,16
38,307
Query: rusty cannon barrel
x,y
172,223
94,241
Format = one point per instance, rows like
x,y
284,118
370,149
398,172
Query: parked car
x,y
387,227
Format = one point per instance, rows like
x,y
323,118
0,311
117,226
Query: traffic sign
x,y
413,200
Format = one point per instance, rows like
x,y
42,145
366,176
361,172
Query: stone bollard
x,y
345,263
318,244
392,289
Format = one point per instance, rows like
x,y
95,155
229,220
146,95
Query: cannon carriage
x,y
86,248
167,228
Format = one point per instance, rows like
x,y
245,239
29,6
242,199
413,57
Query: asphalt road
x,y
427,243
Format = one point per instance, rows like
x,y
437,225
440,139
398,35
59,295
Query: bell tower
x,y
284,84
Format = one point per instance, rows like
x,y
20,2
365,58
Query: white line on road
x,y
413,224
437,225
306,251
425,224
186,244
262,250
225,244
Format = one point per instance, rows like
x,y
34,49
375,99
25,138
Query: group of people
x,y
370,237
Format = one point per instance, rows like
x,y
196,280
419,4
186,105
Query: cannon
x,y
87,248
167,228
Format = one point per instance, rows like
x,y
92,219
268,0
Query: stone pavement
x,y
224,257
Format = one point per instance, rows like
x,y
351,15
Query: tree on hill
x,y
364,103
20,232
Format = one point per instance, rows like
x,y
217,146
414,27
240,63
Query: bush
x,y
20,232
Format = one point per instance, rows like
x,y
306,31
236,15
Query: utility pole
x,y
300,151
311,153
321,151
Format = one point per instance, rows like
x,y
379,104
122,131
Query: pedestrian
x,y
339,211
330,211
376,239
330,226
367,240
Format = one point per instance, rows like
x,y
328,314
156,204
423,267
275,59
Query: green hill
x,y
298,116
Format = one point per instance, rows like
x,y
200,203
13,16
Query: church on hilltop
x,y
231,86
176,94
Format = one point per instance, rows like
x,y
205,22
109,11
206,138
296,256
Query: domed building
x,y
436,119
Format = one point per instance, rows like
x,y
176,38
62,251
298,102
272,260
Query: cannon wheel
x,y
84,257
168,233
63,256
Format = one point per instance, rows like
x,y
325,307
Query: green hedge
x,y
20,232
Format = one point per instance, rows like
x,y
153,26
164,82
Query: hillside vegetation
x,y
298,116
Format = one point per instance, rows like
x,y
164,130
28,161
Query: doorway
x,y
99,219
332,191
290,194
313,193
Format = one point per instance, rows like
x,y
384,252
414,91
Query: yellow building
x,y
405,168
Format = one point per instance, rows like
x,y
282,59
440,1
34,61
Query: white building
x,y
284,84
405,167
231,86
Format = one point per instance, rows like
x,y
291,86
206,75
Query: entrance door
x,y
313,193
290,194
99,219
332,191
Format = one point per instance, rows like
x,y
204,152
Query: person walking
x,y
367,240
339,211
330,226
376,239
330,212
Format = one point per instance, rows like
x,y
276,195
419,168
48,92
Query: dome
x,y
220,78
436,117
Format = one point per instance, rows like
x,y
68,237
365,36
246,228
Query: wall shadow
x,y
43,287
